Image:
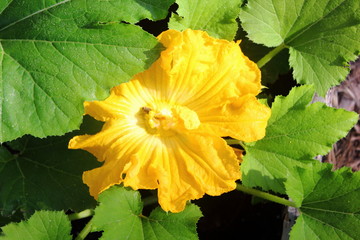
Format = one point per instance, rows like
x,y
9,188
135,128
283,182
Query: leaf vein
x,y
68,42
312,24
50,167
33,14
41,88
328,210
325,223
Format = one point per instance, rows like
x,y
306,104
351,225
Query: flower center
x,y
162,119
168,120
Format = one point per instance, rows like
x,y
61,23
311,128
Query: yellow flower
x,y
163,129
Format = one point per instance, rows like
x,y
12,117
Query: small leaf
x,y
323,35
41,225
329,202
56,54
119,216
297,131
218,18
44,174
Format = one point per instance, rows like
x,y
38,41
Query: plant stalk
x,y
83,214
265,195
235,142
270,55
86,230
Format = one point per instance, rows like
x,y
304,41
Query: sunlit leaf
x,y
119,216
41,225
55,54
218,18
297,131
323,35
329,203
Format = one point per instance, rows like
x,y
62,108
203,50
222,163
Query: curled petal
x,y
199,164
244,119
182,168
197,70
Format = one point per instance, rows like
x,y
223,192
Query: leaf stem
x,y
83,214
270,55
86,230
235,142
265,195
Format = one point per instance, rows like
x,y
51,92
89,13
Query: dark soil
x,y
346,152
234,216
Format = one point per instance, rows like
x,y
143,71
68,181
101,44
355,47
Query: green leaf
x,y
56,54
41,225
218,18
16,216
43,174
297,131
119,216
329,202
323,35
4,4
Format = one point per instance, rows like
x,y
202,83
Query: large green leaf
x,y
119,216
323,35
42,225
218,18
56,54
328,201
297,131
40,174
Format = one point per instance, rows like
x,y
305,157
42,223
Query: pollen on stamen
x,y
146,109
160,120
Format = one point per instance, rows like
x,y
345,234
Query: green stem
x,y
86,230
270,55
265,195
235,142
84,214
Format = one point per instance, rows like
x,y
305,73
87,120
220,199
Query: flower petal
x,y
198,70
239,155
182,167
100,179
197,164
97,144
114,133
124,101
124,156
244,119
